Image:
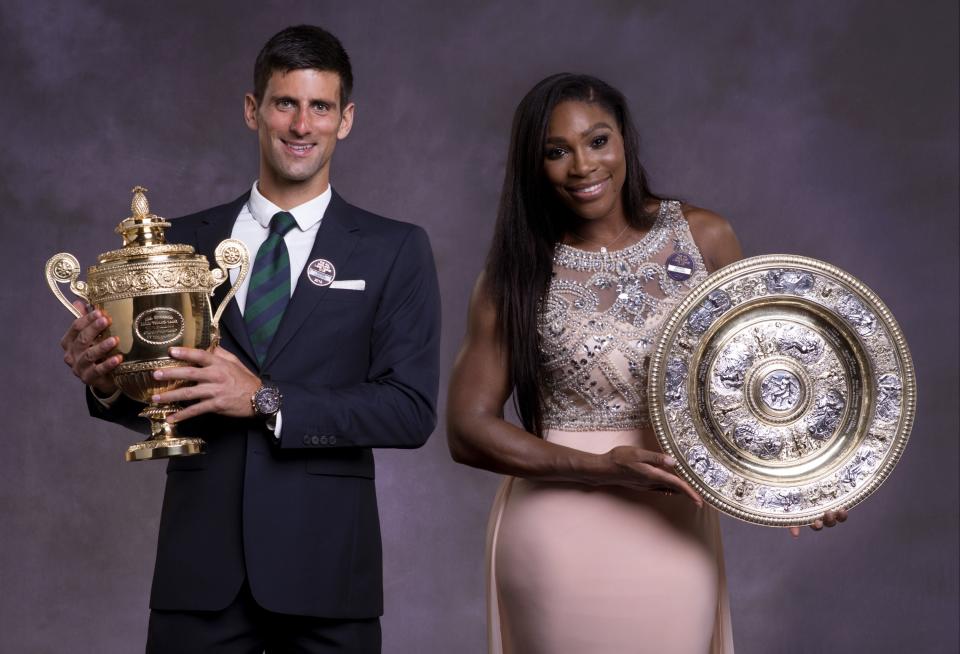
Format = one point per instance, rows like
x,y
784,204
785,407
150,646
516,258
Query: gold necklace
x,y
603,247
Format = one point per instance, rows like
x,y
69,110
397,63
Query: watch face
x,y
267,400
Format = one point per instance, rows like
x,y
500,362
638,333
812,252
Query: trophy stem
x,y
164,441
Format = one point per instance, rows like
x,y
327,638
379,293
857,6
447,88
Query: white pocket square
x,y
349,284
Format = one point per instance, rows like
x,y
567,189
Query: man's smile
x,y
298,148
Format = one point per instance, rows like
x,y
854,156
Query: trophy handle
x,y
231,253
64,268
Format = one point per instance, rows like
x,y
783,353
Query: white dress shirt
x,y
253,227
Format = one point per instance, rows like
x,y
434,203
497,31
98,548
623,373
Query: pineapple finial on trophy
x,y
142,228
139,206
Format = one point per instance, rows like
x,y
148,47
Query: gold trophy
x,y
158,296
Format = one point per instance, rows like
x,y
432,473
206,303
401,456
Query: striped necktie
x,y
269,290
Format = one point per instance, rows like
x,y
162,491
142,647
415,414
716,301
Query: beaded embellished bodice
x,y
600,320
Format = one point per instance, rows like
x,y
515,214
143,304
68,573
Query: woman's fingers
x,y
829,519
655,477
833,518
658,459
649,470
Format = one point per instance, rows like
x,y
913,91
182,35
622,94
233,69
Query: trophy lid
x,y
143,232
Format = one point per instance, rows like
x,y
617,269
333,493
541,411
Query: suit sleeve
x,y
396,405
123,411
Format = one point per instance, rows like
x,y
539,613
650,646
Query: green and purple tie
x,y
269,289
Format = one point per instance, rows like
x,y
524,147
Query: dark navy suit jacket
x,y
357,370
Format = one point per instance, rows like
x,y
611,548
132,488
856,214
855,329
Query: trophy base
x,y
164,448
164,442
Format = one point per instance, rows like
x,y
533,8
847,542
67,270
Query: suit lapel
x,y
335,242
215,227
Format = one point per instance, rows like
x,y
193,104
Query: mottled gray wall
x,y
822,128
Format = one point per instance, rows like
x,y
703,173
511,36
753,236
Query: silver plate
x,y
784,388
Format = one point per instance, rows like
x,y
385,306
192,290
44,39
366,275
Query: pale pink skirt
x,y
574,569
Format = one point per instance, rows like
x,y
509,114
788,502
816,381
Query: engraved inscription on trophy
x,y
159,326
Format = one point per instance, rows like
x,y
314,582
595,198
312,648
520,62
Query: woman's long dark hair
x,y
531,220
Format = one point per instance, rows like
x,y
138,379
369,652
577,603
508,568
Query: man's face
x,y
299,121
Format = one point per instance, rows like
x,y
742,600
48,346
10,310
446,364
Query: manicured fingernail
x,y
97,314
171,419
154,398
158,374
174,351
669,461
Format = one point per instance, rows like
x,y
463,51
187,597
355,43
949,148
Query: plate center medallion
x,y
780,390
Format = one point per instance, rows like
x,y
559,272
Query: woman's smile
x,y
590,191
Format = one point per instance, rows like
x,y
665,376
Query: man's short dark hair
x,y
300,47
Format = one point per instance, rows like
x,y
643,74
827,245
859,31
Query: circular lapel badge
x,y
321,272
679,266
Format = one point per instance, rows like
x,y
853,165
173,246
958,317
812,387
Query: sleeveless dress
x,y
575,569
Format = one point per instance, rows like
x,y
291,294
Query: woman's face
x,y
583,160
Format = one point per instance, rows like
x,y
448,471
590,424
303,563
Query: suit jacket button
x,y
333,439
323,440
306,439
314,440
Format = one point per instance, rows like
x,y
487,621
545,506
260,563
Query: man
x,y
271,540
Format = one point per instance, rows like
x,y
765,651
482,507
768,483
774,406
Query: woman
x,y
595,545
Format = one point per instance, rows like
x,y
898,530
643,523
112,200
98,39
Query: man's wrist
x,y
266,401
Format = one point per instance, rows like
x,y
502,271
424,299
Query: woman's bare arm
x,y
479,436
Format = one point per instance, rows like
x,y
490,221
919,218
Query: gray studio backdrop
x,y
827,129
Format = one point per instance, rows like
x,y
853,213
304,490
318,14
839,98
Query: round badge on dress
x,y
679,266
321,272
